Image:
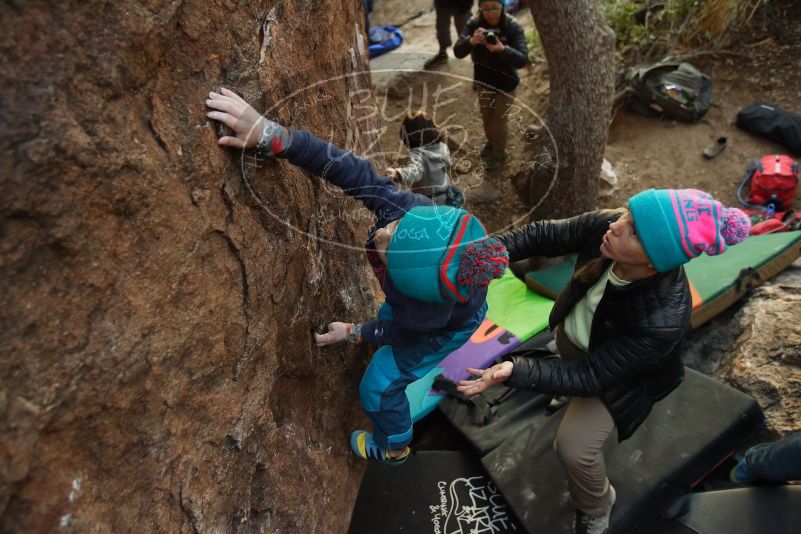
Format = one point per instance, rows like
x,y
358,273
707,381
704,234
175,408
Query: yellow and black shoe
x,y
363,446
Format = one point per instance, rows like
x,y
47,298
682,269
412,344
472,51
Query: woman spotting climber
x,y
619,324
433,263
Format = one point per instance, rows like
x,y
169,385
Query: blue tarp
x,y
384,39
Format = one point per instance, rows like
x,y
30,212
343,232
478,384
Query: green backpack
x,y
677,90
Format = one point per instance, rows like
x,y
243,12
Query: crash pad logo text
x,y
470,506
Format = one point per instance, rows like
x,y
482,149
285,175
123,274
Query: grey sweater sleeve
x,y
413,172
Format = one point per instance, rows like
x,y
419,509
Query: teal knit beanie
x,y
677,225
441,254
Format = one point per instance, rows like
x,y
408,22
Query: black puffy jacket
x,y
495,70
633,358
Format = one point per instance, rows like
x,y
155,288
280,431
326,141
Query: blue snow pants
x,y
779,461
383,386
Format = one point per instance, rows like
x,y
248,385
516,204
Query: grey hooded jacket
x,y
427,172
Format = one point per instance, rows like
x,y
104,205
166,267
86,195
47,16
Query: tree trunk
x,y
579,46
157,368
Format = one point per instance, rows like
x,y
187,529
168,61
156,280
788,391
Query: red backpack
x,y
774,182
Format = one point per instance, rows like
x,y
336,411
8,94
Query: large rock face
x,y
158,370
757,349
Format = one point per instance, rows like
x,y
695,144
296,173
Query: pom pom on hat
x,y
736,226
482,261
443,254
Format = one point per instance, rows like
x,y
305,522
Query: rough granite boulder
x,y
158,371
757,349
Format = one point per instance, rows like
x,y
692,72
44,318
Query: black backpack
x,y
677,90
774,123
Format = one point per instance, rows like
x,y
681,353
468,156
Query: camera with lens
x,y
491,37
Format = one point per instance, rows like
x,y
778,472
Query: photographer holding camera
x,y
497,45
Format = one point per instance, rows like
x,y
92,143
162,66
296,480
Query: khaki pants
x,y
494,114
584,429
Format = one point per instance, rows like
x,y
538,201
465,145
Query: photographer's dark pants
x,y
444,15
495,116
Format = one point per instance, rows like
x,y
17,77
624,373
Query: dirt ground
x,y
643,152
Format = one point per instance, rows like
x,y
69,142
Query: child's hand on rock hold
x,y
251,129
336,332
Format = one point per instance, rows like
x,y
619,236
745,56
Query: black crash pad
x,y
749,510
686,435
433,492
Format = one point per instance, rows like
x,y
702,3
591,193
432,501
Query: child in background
x,y
433,263
430,161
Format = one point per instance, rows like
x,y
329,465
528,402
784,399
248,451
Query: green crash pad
x,y
516,309
717,282
552,280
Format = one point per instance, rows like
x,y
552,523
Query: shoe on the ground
x,y
586,524
437,59
715,148
495,162
486,151
362,444
741,474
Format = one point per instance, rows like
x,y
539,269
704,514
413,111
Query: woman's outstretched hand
x,y
488,377
230,109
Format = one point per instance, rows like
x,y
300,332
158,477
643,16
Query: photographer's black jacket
x,y
633,359
495,70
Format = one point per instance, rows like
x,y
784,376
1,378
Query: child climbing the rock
x,y
430,161
433,263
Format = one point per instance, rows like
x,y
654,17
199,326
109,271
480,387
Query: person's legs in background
x,y
486,104
443,26
460,19
495,107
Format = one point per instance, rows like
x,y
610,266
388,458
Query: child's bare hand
x,y
392,173
488,377
230,109
336,332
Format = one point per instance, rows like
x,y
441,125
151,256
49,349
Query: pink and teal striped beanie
x,y
443,254
677,225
